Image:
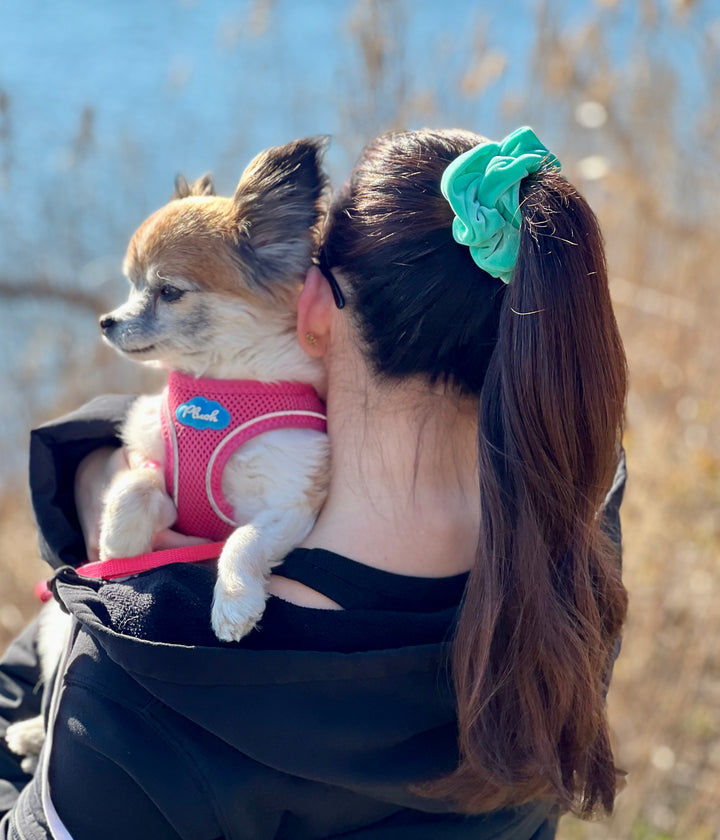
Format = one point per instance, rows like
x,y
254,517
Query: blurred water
x,y
190,85
106,101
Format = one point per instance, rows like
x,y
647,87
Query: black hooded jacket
x,y
319,724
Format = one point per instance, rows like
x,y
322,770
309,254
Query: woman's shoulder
x,y
171,606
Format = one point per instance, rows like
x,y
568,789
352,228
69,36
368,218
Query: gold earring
x,y
310,338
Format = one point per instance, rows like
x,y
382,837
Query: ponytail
x,y
544,602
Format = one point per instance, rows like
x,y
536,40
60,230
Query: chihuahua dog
x,y
214,286
234,449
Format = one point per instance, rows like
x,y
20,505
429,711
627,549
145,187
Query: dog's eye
x,y
171,293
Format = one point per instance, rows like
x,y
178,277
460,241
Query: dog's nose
x,y
107,322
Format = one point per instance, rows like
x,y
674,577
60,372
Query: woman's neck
x,y
403,487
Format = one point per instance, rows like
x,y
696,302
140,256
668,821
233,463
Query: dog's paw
x,y
29,764
235,614
136,508
26,737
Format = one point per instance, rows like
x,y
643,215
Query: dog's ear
x,y
279,206
203,186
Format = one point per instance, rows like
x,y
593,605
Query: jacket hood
x,y
374,721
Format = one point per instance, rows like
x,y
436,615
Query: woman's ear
x,y
315,314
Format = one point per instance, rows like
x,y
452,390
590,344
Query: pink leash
x,y
124,566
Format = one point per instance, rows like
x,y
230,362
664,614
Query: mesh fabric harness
x,y
204,421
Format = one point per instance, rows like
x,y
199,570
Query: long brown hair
x,y
544,603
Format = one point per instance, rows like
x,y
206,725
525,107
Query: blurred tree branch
x,y
43,289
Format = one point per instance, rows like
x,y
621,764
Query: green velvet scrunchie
x,y
483,188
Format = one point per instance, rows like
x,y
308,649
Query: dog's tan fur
x,y
214,293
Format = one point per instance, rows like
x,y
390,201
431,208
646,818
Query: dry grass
x,y
664,702
20,564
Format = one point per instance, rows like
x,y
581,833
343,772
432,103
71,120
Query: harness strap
x,y
125,566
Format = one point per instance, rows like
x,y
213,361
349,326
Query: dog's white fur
x,y
214,287
217,321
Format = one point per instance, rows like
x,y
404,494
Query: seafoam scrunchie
x,y
483,189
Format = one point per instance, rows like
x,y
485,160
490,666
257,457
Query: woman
x,y
476,384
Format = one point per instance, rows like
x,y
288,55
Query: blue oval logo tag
x,y
202,414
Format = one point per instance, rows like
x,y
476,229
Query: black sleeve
x,y
119,809
56,449
19,700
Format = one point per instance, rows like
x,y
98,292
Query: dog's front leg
x,y
136,508
245,563
136,504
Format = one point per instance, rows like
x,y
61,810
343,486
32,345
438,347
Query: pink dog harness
x,y
204,421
